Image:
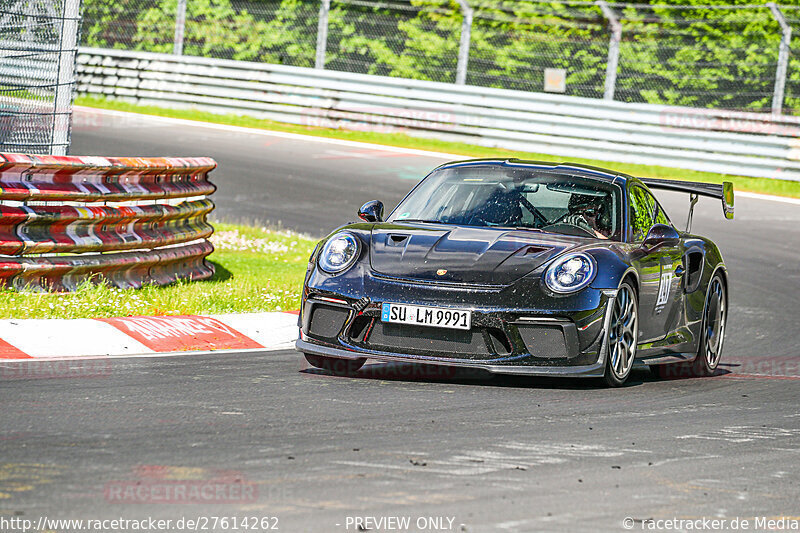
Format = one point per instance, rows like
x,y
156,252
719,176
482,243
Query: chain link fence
x,y
725,57
283,32
402,39
739,56
38,43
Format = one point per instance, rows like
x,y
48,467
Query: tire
x,y
712,334
621,337
335,365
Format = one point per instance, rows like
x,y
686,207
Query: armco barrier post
x,y
180,28
783,59
613,50
322,34
466,38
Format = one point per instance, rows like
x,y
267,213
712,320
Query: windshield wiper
x,y
494,226
529,228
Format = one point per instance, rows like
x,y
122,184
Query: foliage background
x,y
697,53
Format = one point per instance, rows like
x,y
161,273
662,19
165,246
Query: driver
x,y
586,212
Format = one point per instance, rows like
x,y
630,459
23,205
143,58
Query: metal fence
x,y
38,44
728,142
738,57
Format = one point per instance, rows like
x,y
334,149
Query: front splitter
x,y
583,371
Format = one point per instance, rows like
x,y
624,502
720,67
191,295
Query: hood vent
x,y
468,255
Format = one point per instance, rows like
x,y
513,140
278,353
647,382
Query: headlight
x,y
570,273
339,253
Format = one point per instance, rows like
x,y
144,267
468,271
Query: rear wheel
x,y
335,365
621,336
712,335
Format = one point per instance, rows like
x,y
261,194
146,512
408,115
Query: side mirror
x,y
371,211
661,235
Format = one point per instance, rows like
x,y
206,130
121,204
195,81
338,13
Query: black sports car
x,y
520,267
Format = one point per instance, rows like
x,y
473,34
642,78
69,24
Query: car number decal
x,y
664,290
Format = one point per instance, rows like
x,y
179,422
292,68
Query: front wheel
x,y
621,336
335,365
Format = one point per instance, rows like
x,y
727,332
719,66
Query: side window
x,y
661,217
642,205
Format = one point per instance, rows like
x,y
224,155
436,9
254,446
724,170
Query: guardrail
x,y
746,144
128,221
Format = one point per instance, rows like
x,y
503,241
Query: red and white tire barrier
x,y
26,339
127,220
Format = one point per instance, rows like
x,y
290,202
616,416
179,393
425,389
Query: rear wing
x,y
722,192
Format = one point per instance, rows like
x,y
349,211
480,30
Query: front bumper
x,y
584,371
508,341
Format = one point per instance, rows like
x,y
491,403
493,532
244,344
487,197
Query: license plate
x,y
426,316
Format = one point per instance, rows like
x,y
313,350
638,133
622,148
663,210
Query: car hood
x,y
457,254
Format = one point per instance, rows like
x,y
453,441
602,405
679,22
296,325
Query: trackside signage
x,y
182,333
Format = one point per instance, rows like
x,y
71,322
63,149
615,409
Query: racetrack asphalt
x,y
494,453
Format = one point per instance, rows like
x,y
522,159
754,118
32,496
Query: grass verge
x,y
759,185
257,269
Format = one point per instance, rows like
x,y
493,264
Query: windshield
x,y
514,197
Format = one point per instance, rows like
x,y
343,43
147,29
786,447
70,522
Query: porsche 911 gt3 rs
x,y
520,267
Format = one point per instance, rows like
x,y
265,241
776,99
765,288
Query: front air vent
x,y
499,340
359,327
544,341
327,321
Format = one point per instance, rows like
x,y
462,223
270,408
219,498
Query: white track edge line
x,y
769,197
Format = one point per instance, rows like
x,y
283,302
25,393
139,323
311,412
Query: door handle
x,y
679,270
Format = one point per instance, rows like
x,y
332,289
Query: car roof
x,y
574,169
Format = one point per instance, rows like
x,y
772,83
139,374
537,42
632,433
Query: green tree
x,y
417,41
694,56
